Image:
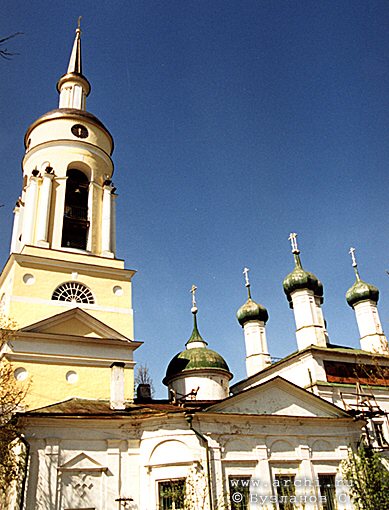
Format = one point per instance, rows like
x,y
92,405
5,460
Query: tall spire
x,y
75,63
195,340
73,87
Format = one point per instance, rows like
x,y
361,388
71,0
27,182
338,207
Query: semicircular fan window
x,y
74,292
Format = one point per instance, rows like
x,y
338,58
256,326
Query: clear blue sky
x,y
235,123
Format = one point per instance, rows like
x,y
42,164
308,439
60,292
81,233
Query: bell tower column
x,y
106,226
15,242
29,217
44,208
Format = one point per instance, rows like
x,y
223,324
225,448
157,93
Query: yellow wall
x,y
48,384
32,303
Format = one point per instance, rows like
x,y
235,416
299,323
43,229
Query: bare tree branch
x,y
4,52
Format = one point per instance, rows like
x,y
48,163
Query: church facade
x,y
274,440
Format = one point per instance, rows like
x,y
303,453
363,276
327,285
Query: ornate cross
x,y
193,292
352,253
293,241
246,276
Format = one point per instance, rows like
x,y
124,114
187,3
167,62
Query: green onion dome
x,y
196,356
251,311
362,291
301,279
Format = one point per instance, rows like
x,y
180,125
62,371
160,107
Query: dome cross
x,y
354,262
194,304
293,241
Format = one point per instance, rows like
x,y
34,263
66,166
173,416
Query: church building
x,y
275,440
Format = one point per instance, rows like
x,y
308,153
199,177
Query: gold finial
x,y
78,30
193,292
293,241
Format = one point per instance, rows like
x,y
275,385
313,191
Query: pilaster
x,y
44,211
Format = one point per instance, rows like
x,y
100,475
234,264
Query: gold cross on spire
x,y
352,253
246,276
193,292
293,241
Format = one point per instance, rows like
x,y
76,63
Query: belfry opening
x,y
75,221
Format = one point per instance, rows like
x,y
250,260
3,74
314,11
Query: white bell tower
x,y
68,199
63,249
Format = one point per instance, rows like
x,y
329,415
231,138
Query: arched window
x,y
75,221
74,292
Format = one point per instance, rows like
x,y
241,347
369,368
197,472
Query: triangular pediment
x,y
278,397
75,322
82,462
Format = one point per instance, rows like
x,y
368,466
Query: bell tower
x,y
63,248
68,199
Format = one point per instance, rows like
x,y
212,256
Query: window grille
x,y
74,292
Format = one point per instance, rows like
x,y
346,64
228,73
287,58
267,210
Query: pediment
x,y
82,462
278,397
75,322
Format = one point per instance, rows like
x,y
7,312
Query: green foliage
x,y
11,396
368,479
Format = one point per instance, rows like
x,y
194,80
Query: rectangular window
x,y
285,490
379,433
171,494
239,492
327,491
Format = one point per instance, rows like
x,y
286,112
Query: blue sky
x,y
235,123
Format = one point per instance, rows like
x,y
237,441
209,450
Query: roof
x,y
198,358
92,408
71,113
330,349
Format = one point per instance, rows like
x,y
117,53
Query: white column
x,y
117,386
309,323
29,216
261,495
72,95
113,223
372,336
115,466
44,210
16,231
305,480
46,486
257,354
218,489
91,216
106,221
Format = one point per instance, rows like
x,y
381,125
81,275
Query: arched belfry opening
x,y
75,221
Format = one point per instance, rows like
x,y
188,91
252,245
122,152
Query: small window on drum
x,y
74,292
